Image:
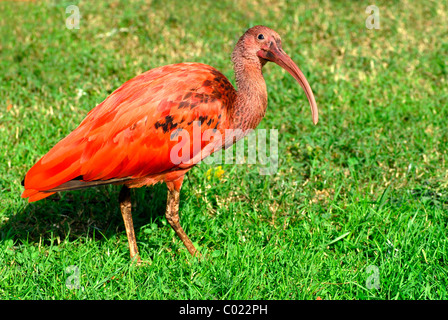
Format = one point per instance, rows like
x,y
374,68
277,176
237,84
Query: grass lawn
x,y
358,208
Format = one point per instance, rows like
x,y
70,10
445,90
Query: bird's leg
x,y
172,215
125,206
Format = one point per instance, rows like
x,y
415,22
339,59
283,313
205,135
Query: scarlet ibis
x,y
127,139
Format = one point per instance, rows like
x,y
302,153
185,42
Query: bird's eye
x,y
260,36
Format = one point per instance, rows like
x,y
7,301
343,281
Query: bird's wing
x,y
131,134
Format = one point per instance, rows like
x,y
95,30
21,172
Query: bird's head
x,y
265,44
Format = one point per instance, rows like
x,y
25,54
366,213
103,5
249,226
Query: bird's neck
x,y
251,101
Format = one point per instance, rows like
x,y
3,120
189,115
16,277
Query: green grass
x,y
367,186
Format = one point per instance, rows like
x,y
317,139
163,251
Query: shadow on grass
x,y
92,212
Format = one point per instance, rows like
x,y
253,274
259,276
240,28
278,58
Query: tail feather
x,y
35,195
81,184
75,184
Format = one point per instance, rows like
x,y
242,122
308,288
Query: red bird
x,y
130,137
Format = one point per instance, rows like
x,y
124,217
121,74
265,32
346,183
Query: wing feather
x,y
128,135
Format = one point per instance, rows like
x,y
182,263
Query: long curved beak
x,y
283,60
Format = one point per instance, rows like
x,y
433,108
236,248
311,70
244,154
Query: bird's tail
x,y
74,184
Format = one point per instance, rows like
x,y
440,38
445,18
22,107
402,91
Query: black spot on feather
x,y
207,83
203,118
167,125
184,104
193,105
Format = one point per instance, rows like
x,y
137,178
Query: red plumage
x,y
128,135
